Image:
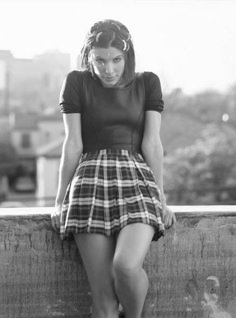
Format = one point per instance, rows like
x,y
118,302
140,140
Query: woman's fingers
x,y
169,218
55,220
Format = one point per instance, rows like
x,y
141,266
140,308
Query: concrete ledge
x,y
192,270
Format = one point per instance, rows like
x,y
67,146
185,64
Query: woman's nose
x,y
109,68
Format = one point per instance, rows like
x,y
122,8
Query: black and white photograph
x,y
118,158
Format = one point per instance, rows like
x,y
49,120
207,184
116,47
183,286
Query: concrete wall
x,y
192,270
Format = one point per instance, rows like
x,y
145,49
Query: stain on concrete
x,y
205,302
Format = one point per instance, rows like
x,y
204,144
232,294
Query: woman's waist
x,y
112,148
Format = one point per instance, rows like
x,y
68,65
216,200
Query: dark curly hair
x,y
104,34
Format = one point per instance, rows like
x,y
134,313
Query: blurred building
x,y
29,113
5,129
30,131
6,59
48,160
31,84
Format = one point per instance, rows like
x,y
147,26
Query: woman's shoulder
x,y
151,80
78,75
150,76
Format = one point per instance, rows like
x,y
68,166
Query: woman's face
x,y
108,65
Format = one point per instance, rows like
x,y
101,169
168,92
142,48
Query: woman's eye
x,y
100,61
117,59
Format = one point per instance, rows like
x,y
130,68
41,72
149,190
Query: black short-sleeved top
x,y
111,117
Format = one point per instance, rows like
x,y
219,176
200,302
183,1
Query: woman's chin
x,y
109,83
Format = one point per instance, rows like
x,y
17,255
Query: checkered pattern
x,y
110,189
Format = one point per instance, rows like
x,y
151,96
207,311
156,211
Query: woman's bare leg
x,y
131,282
97,253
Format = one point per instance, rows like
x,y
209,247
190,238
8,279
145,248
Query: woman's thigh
x,y
133,243
97,253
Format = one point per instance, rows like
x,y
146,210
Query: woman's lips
x,y
109,79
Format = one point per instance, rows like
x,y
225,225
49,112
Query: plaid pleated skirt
x,y
111,189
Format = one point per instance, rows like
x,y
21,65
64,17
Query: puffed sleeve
x,y
70,97
153,93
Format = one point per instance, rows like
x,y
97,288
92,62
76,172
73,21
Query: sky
x,y
190,44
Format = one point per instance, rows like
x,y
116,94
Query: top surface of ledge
x,y
190,210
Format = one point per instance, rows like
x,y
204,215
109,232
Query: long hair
x,y
104,34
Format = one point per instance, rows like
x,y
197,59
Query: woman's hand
x,y
56,217
168,217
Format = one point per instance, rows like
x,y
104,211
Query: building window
x,y
25,141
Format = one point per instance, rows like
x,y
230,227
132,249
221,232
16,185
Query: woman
x,y
110,195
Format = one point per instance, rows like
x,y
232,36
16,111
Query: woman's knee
x,y
131,248
123,267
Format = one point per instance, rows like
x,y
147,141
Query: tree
x,y
204,172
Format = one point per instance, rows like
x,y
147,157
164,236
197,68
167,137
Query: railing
x,y
192,270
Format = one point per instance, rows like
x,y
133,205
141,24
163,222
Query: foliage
x,y
205,107
205,172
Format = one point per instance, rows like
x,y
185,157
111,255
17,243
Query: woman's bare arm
x,y
152,150
71,152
